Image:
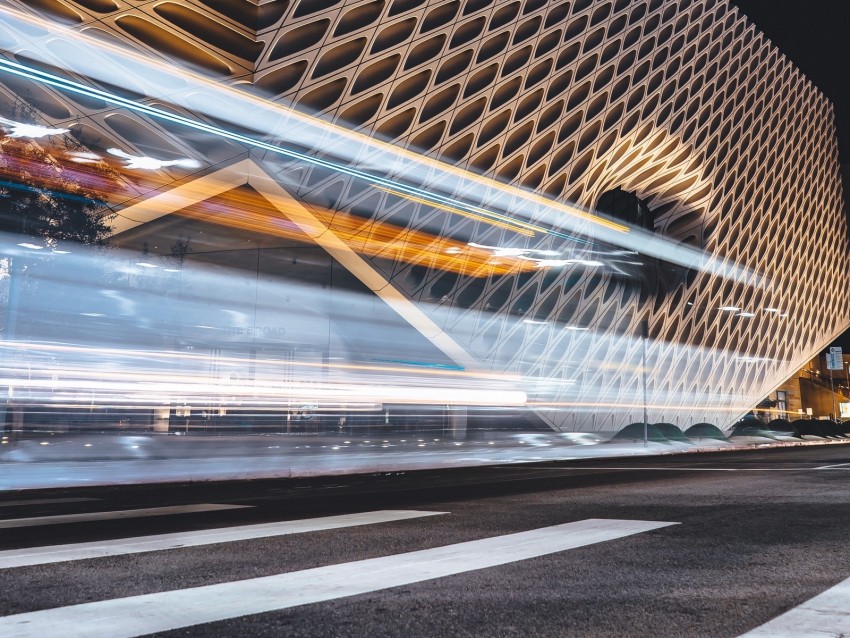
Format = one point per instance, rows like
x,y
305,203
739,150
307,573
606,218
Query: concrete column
x,y
17,419
160,419
457,422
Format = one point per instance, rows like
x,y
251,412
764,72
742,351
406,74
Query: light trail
x,y
374,238
660,407
160,80
69,85
104,317
499,221
381,237
176,389
240,96
110,353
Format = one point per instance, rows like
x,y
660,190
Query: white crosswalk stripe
x,y
165,611
824,615
79,551
84,517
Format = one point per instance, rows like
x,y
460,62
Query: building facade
x,y
676,124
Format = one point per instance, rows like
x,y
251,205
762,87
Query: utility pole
x,y
832,392
834,361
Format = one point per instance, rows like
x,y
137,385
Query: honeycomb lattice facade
x,y
685,104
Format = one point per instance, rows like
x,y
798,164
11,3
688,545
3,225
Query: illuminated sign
x,y
834,359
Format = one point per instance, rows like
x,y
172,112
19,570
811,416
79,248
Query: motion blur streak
x,y
97,323
374,162
250,296
103,342
250,211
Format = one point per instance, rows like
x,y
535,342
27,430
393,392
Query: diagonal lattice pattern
x,y
685,104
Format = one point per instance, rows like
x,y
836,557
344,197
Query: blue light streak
x,y
89,201
69,85
421,364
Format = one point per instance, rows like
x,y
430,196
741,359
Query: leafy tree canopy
x,y
49,198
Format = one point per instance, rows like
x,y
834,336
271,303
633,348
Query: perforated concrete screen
x,y
677,117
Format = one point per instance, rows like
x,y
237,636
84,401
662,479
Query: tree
x,y
50,198
180,249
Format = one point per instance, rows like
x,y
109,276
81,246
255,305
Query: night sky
x,y
815,36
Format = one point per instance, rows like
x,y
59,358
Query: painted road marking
x,y
823,615
80,551
45,501
165,611
837,466
119,514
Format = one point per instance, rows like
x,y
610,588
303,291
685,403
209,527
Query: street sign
x,y
834,359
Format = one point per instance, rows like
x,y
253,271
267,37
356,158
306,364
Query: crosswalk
x,y
161,611
823,615
165,611
160,542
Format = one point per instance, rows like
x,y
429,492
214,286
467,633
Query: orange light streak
x,y
517,227
247,210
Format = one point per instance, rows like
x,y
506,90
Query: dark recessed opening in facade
x,y
375,74
454,66
641,276
300,39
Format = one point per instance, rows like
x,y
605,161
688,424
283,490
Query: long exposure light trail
x,y
69,85
373,238
594,405
281,295
499,221
125,365
113,353
169,389
218,88
559,215
416,194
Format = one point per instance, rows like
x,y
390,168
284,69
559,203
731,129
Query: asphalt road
x,y
749,536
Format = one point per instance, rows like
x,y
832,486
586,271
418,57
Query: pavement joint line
x,y
165,611
46,501
179,540
824,615
170,510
